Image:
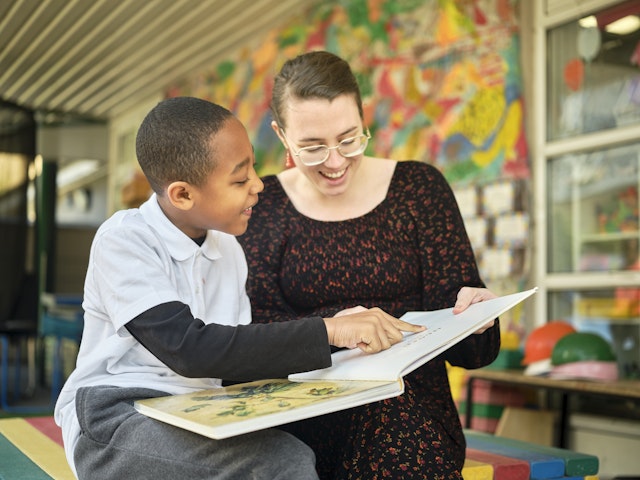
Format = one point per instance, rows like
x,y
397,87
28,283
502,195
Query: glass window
x,y
614,314
593,210
593,78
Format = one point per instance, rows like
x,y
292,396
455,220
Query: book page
x,y
444,329
224,412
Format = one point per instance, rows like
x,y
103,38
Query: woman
x,y
342,230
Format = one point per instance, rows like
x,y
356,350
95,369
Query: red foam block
x,y
504,468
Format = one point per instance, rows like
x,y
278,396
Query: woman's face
x,y
313,122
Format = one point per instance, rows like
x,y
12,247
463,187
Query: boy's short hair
x,y
174,141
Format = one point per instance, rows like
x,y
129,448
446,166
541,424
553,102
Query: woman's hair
x,y
312,75
174,141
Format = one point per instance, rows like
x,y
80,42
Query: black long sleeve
x,y
194,349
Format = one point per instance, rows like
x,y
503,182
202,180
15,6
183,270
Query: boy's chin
x,y
238,230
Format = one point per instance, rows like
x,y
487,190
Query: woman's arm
x,y
448,262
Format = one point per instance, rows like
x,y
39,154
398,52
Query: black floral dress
x,y
409,253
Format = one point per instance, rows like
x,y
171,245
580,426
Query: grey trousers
x,y
117,442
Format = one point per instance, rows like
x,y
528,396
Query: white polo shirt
x,y
138,260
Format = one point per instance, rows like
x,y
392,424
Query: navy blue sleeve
x,y
193,349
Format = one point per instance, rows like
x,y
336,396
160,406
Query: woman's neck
x,y
367,189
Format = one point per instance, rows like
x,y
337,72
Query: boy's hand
x,y
349,311
469,295
371,330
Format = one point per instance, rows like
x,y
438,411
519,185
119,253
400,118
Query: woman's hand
x,y
371,330
469,295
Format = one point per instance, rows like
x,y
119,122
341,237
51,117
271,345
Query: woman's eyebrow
x,y
315,139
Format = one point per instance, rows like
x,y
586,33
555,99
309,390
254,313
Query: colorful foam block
x,y
575,463
572,478
483,410
475,470
504,468
490,393
481,424
32,448
541,465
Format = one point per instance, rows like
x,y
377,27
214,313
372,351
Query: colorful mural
x,y
441,81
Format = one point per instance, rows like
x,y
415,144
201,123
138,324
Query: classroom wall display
x,y
496,216
441,81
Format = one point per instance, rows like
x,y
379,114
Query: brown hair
x,y
317,74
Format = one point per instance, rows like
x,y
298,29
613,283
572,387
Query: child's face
x,y
225,201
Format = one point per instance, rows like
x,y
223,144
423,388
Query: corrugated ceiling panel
x,y
100,57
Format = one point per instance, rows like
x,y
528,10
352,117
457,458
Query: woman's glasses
x,y
317,154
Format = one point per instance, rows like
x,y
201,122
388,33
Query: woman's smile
x,y
334,175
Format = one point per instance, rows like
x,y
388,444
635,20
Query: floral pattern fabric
x,y
411,252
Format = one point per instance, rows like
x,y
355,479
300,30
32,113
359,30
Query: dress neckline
x,y
291,207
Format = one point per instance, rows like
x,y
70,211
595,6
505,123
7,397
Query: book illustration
x,y
265,398
249,401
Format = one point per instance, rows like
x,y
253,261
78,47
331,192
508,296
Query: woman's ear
x,y
276,128
181,195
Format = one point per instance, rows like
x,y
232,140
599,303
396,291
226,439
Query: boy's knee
x,y
290,458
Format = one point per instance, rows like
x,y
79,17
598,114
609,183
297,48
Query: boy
x,y
166,313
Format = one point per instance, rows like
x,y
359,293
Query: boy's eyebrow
x,y
240,165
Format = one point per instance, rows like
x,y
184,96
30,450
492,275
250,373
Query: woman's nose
x,y
334,158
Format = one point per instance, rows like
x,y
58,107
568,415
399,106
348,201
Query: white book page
x,y
444,329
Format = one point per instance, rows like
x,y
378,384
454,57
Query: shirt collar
x,y
180,246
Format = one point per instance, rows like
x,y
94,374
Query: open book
x,y
355,378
